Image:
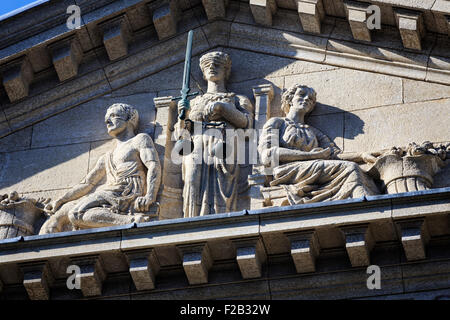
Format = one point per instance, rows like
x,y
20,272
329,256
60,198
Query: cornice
x,y
147,54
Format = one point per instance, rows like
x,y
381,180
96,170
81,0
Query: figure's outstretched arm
x,y
149,158
359,157
81,189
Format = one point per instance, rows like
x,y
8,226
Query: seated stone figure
x,y
133,175
310,167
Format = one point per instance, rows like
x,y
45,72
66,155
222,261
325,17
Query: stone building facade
x,y
376,89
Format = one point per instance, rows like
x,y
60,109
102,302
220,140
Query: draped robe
x,y
124,183
309,181
211,184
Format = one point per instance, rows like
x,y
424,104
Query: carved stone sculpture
x,y
212,186
310,168
133,175
409,169
20,216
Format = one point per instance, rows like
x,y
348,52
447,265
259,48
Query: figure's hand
x,y
369,157
142,204
214,110
319,153
52,207
182,104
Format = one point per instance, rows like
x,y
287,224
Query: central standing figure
x,y
211,184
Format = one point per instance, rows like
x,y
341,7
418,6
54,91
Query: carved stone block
x,y
116,35
37,279
411,26
415,236
263,10
197,261
447,18
311,13
215,8
357,18
263,97
165,19
304,250
358,243
92,274
256,182
66,56
144,266
17,76
250,256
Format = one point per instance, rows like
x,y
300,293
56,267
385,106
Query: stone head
x,y
119,116
300,97
215,66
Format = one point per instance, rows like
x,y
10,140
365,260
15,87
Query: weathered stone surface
x,y
385,54
304,250
157,82
215,8
170,200
116,35
311,13
250,256
442,179
92,274
87,123
53,99
424,278
330,124
414,237
357,17
144,266
263,10
37,279
263,97
16,141
367,89
44,169
165,19
197,261
448,23
422,91
66,55
425,125
245,88
412,28
278,42
17,76
358,243
4,126
408,169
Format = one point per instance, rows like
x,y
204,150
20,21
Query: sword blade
x,y
187,65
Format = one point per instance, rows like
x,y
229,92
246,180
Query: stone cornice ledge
x,y
303,231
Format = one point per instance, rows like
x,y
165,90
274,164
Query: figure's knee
x,y
75,215
54,223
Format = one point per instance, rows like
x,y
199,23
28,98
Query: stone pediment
x,y
46,67
89,124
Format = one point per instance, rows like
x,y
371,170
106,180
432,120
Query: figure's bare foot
x,y
140,218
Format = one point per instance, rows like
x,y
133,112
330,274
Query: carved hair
x,y
219,56
286,98
131,113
